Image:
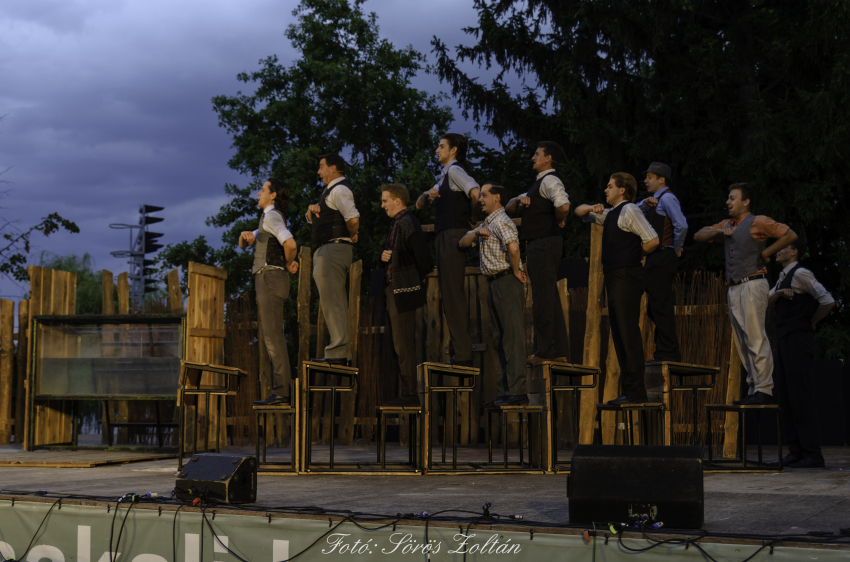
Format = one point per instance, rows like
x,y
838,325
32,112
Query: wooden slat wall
x,y
107,307
7,357
21,371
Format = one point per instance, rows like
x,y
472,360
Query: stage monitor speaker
x,y
621,483
216,477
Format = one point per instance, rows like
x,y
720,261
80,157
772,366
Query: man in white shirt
x,y
800,302
454,197
335,221
274,260
626,238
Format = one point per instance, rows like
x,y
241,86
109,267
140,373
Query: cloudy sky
x,y
107,106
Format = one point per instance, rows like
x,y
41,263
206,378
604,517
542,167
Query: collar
x,y
789,267
544,172
737,220
398,215
334,182
268,208
618,204
660,191
492,216
447,166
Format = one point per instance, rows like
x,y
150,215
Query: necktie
x,y
781,277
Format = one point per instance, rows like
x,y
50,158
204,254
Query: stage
x,y
795,502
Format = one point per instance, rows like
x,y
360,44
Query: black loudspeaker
x,y
222,478
620,483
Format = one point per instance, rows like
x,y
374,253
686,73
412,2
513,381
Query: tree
x,y
348,92
723,91
89,282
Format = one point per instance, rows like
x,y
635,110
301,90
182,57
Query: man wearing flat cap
x,y
663,211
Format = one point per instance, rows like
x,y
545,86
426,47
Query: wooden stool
x,y
544,384
664,377
741,452
308,387
190,385
262,413
538,444
626,410
429,385
414,414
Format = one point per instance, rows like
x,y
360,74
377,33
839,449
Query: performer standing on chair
x,y
544,209
626,237
801,302
664,213
335,222
454,196
500,263
744,238
407,260
274,260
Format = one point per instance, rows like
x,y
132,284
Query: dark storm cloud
x,y
107,106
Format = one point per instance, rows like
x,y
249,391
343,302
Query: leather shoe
x,y
534,360
759,399
495,401
341,361
515,400
403,401
456,363
791,458
625,399
808,462
272,400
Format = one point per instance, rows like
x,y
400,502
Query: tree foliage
x,y
724,92
89,281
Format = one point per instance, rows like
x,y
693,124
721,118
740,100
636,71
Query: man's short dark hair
x,y
457,141
627,181
554,150
747,192
497,189
801,246
334,160
397,191
281,190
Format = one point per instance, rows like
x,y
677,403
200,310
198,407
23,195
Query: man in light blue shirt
x,y
664,213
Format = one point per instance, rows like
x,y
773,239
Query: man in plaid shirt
x,y
500,263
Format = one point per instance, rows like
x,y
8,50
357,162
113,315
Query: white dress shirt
x,y
551,188
804,282
340,199
274,224
631,220
459,180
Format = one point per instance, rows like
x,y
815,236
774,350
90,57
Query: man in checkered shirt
x,y
500,263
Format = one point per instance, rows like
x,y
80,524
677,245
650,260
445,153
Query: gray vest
x,y
267,250
743,252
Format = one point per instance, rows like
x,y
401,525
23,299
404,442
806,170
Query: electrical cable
x,y
24,555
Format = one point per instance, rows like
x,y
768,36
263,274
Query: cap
x,y
660,169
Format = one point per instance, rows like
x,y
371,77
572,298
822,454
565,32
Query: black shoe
x,y
759,399
457,363
272,400
626,399
790,459
807,462
341,361
495,401
402,402
515,400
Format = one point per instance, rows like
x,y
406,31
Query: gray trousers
x,y
543,255
403,325
272,291
506,299
747,309
451,270
331,263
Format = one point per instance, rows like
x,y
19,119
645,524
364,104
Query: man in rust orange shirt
x,y
744,238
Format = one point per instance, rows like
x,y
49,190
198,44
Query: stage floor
x,y
796,501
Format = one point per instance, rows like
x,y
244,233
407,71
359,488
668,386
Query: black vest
x,y
330,223
662,225
267,249
538,218
452,206
619,248
794,314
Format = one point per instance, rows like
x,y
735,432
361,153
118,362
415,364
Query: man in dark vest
x,y
626,238
274,260
664,213
407,260
335,221
455,197
744,238
544,209
801,302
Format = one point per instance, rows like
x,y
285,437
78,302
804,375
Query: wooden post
x,y
305,270
592,337
21,384
7,355
107,307
347,401
733,392
122,407
175,295
564,297
321,416
484,391
612,388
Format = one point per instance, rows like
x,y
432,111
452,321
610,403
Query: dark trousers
x,y
403,325
451,271
661,266
624,287
543,255
792,374
272,291
506,300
